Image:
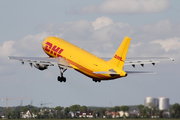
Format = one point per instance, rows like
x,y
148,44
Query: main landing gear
x,y
61,78
96,80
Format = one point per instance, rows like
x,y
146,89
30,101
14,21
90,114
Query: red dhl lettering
x,y
118,57
53,49
48,46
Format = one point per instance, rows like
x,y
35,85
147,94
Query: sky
x,y
98,27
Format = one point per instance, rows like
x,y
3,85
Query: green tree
x,y
25,109
172,113
156,112
8,115
74,108
143,112
148,112
13,114
18,114
116,108
175,111
102,112
83,109
60,115
94,113
124,108
66,110
35,111
89,110
151,109
140,107
58,108
46,114
58,112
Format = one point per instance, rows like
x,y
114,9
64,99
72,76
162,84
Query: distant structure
x,y
163,103
21,103
151,100
11,99
31,103
45,104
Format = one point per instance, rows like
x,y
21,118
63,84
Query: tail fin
x,y
120,55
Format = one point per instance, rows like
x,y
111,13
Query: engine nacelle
x,y
40,66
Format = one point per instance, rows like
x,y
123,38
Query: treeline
x,y
74,111
18,108
15,112
150,111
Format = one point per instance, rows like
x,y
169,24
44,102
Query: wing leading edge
x,y
145,60
43,61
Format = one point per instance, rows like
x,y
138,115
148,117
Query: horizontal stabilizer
x,y
140,72
106,72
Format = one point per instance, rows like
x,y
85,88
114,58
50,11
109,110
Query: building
x,y
122,113
28,114
3,114
133,113
115,114
163,103
149,100
86,114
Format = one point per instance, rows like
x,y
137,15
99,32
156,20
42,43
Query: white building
x,y
163,103
122,113
28,114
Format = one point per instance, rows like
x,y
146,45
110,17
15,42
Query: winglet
x,y
7,57
171,59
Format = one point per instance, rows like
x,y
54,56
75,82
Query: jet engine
x,y
41,66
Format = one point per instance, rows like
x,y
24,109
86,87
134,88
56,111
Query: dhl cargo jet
x,y
66,55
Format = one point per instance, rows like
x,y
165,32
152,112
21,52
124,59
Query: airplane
x,y
68,56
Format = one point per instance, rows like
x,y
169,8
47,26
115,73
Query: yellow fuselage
x,y
79,59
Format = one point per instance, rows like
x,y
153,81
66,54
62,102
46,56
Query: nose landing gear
x,y
61,78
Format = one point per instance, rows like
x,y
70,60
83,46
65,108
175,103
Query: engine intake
x,y
41,66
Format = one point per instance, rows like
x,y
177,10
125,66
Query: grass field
x,y
101,119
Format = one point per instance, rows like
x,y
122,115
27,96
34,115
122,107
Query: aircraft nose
x,y
44,42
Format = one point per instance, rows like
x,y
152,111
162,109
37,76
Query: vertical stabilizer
x,y
120,55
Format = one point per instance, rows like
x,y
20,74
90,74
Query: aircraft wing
x,y
145,60
46,61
